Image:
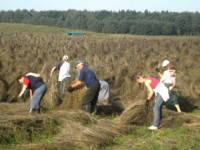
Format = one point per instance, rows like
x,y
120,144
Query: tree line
x,y
121,22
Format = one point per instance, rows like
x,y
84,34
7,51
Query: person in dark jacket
x,y
87,76
37,88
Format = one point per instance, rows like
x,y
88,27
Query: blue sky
x,y
112,5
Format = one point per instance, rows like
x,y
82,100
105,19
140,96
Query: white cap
x,y
165,63
78,63
65,57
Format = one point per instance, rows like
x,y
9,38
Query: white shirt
x,y
162,90
168,78
64,71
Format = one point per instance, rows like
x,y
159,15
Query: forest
x,y
121,22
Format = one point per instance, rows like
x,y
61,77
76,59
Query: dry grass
x,y
115,59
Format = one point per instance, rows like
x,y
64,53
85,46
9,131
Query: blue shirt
x,y
58,66
34,82
88,76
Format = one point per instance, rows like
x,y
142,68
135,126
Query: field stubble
x,y
115,59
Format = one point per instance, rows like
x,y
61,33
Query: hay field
x,y
114,58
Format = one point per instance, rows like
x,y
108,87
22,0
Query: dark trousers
x,y
91,95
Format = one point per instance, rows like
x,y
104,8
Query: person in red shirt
x,y
37,88
161,95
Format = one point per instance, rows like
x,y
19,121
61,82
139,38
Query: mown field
x,y
115,58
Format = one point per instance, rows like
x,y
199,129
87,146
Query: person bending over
x,y
87,76
37,88
161,95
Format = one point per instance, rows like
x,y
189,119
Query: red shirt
x,y
26,81
154,82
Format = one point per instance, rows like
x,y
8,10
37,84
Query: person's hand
x,y
70,89
170,88
147,103
157,69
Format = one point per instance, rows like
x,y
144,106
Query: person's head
x,y
172,70
79,65
65,58
140,77
166,64
20,78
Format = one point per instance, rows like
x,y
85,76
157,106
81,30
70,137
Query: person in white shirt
x,y
64,72
169,79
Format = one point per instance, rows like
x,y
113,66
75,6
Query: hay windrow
x,y
115,59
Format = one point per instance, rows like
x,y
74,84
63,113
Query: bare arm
x,y
31,93
78,83
33,74
52,70
150,90
160,74
23,90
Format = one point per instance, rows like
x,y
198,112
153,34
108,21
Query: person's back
x,y
64,70
104,92
154,82
167,78
88,76
34,82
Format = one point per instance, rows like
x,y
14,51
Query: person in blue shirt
x,y
37,88
87,76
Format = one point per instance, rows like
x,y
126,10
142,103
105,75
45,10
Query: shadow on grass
x,y
185,104
113,107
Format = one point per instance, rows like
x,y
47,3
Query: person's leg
x,y
91,96
157,109
62,86
37,97
94,101
177,107
161,110
174,101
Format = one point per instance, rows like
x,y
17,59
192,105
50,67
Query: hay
x,y
114,59
137,114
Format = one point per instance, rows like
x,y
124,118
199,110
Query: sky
x,y
95,5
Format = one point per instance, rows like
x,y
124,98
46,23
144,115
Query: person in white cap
x,y
64,72
166,65
169,79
